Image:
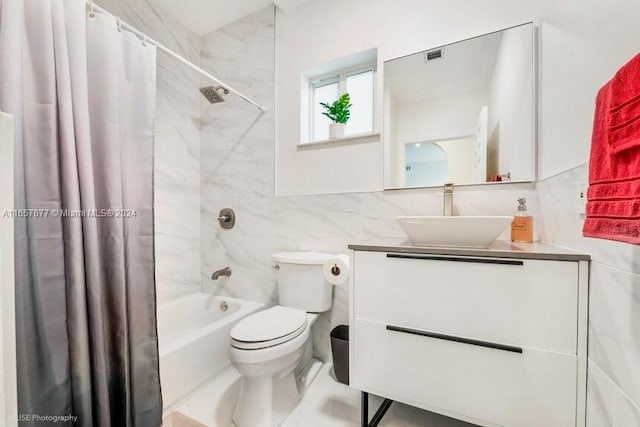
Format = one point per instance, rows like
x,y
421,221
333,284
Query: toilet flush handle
x,y
335,270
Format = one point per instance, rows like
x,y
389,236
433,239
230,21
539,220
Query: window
x,y
325,91
359,84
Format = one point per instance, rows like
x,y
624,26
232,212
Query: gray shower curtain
x,y
83,96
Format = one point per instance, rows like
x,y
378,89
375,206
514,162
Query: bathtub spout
x,y
224,272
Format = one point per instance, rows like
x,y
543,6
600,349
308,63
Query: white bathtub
x,y
193,334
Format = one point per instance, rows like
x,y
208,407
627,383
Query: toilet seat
x,y
268,328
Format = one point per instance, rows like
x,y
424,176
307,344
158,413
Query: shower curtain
x,y
83,96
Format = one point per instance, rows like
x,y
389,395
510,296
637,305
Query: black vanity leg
x,y
364,410
380,413
382,410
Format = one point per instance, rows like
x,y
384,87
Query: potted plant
x,y
339,113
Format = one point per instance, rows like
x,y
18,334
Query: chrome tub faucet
x,y
224,272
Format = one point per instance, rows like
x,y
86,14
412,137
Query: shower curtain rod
x,y
93,8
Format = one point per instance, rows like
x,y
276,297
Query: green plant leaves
x,y
338,112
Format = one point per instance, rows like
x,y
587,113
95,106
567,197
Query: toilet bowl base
x,y
265,401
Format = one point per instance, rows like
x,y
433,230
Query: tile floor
x,y
326,403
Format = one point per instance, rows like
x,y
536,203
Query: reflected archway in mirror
x,y
426,164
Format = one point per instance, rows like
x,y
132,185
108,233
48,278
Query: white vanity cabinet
x,y
491,337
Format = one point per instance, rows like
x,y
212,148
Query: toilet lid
x,y
268,328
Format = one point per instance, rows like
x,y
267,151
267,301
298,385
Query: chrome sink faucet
x,y
448,200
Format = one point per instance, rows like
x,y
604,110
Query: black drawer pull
x,y
453,338
459,259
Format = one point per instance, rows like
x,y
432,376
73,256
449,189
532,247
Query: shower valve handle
x,y
227,218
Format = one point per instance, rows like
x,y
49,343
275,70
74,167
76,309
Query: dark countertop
x,y
498,249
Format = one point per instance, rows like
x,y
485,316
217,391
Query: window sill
x,y
345,140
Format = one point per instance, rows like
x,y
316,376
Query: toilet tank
x,y
301,283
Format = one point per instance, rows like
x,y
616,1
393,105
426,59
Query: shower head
x,y
213,93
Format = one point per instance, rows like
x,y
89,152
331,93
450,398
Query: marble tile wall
x,y
177,148
614,305
237,169
237,159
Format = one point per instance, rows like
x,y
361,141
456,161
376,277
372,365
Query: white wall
x,y
440,118
511,97
8,387
583,43
460,154
334,28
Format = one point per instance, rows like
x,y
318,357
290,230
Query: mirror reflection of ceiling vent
x,y
433,54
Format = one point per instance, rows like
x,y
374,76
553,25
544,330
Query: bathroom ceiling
x,y
204,16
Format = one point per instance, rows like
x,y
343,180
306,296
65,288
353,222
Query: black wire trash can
x,y
340,352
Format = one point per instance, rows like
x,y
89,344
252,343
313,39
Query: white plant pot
x,y
336,130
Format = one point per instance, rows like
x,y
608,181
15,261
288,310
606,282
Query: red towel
x,y
613,206
624,111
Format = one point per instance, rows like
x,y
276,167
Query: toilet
x,y
270,347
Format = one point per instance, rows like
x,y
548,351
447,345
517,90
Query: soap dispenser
x,y
522,224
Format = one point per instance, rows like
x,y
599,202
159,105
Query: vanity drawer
x,y
529,303
500,387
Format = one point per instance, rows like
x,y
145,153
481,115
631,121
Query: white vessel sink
x,y
454,231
